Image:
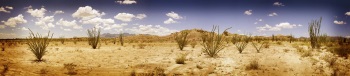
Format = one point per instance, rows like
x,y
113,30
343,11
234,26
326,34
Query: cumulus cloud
x,y
126,2
115,26
7,35
278,4
67,29
71,24
347,13
125,17
87,12
277,27
6,9
170,21
45,22
36,12
339,22
260,20
141,16
24,28
152,30
273,14
173,15
13,21
58,12
248,12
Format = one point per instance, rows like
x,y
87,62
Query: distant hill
x,y
109,35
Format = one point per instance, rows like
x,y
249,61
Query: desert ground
x,y
115,60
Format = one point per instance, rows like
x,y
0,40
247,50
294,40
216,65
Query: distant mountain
x,y
109,35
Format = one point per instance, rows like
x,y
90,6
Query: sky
x,y
72,18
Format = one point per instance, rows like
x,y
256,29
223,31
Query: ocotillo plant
x,y
38,44
314,32
181,39
273,37
243,42
114,40
94,37
291,38
121,39
213,42
258,48
234,39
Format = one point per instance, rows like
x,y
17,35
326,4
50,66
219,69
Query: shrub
x,y
342,51
234,39
114,40
213,42
121,39
193,44
94,37
242,44
70,68
256,46
181,39
62,39
267,45
314,32
279,43
38,44
141,46
253,65
181,59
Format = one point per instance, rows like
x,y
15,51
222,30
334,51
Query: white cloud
x,y
278,4
86,13
347,13
7,35
71,24
152,30
2,9
141,16
9,7
36,12
13,21
248,12
67,29
115,26
170,21
339,22
174,15
45,22
260,20
277,27
24,28
58,12
273,14
126,2
125,17
255,22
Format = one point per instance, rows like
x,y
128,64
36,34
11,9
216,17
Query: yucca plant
x,y
94,37
243,42
121,39
314,32
38,44
258,48
181,39
213,42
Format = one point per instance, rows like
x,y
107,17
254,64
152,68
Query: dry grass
x,y
253,65
193,44
141,45
181,58
341,51
70,68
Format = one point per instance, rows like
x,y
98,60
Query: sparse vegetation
x,y
193,44
181,58
62,39
181,39
314,32
279,43
141,46
94,37
70,68
6,68
121,39
2,48
253,65
341,51
38,44
213,42
242,44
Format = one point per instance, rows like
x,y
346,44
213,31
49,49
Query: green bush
x,y
181,39
38,44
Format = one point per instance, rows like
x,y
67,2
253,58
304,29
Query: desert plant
x,y
273,37
62,39
141,46
323,39
279,43
253,65
314,32
291,38
38,44
267,44
258,48
234,39
70,68
94,37
6,69
2,48
242,44
193,44
114,40
121,39
342,51
181,39
181,58
213,42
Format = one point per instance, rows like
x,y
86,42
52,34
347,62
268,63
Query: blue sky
x,y
161,17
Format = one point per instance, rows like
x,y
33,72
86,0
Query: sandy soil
x,y
116,60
